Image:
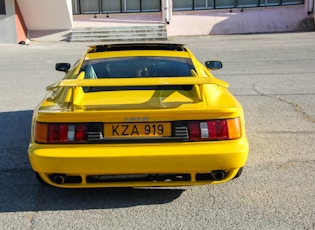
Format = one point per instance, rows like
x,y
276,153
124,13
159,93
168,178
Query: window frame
x,y
2,7
236,4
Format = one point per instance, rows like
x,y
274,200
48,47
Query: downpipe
x,y
218,175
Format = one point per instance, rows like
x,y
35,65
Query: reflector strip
x,y
71,132
204,130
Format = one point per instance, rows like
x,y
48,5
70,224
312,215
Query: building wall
x,y
53,20
248,20
47,14
8,24
47,19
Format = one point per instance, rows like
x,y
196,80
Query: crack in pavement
x,y
295,105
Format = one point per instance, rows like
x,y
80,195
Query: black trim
x,y
138,46
96,135
139,177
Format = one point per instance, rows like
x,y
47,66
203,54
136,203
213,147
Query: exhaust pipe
x,y
218,174
59,178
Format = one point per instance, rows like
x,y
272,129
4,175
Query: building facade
x,y
125,6
54,20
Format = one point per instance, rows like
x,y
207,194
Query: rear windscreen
x,y
134,67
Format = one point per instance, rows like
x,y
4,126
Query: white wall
x,y
251,20
8,24
47,14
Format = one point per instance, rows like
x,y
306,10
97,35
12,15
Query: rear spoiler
x,y
154,81
137,82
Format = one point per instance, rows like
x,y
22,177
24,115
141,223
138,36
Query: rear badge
x,y
136,119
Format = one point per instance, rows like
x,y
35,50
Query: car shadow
x,y
105,198
20,190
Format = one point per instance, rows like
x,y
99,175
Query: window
x,y
182,4
289,2
222,4
111,6
137,67
91,6
152,5
225,4
2,7
114,6
203,4
133,67
118,6
247,3
270,2
131,5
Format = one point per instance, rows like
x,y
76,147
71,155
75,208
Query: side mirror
x,y
214,65
63,67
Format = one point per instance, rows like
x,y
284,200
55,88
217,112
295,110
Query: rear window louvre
x,y
137,46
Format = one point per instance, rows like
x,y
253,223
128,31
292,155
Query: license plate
x,y
162,129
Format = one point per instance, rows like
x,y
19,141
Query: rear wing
x,y
137,82
154,81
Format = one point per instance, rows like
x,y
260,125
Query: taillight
x,y
221,129
60,133
80,132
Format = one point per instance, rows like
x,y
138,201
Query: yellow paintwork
x,y
97,159
66,102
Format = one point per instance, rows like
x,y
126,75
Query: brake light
x,y
80,132
223,129
60,133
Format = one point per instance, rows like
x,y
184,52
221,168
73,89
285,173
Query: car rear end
x,y
160,131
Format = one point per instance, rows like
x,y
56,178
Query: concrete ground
x,y
272,75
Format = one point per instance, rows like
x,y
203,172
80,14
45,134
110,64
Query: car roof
x,y
137,46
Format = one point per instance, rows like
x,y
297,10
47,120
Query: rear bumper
x,y
87,160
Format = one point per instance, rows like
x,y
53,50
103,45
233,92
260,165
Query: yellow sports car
x,y
129,115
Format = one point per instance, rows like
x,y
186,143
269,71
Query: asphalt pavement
x,y
272,75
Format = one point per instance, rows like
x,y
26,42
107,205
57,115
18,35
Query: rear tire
x,y
40,179
239,173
